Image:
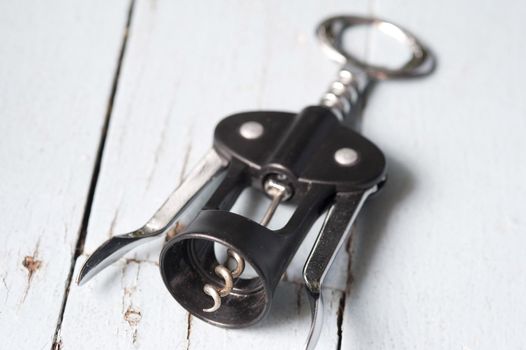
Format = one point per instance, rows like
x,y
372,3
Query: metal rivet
x,y
346,156
251,130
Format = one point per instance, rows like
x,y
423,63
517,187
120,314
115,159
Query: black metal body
x,y
299,148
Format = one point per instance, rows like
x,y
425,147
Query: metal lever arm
x,y
186,199
335,231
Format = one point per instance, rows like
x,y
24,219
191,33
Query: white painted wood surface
x,y
441,262
437,260
56,65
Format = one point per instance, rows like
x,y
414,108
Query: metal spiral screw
x,y
228,276
342,97
278,192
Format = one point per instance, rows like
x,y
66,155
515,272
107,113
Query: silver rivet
x,y
346,156
251,130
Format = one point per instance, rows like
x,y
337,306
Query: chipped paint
x,y
32,265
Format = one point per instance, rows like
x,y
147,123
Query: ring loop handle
x,y
330,33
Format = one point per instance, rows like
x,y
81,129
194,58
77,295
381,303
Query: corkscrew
x,y
313,160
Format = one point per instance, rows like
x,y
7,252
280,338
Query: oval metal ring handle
x,y
330,33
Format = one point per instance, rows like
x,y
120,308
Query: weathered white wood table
x,y
104,105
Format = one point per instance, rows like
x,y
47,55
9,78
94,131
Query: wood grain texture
x,y
56,69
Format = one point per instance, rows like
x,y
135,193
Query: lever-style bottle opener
x,y
312,159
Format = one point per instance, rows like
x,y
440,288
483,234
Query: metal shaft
x,y
343,95
278,192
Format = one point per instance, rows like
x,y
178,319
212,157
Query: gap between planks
x,y
79,247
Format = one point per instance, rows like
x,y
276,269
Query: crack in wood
x,y
162,138
4,282
339,320
159,148
126,291
186,158
302,284
113,222
133,317
131,314
188,330
79,247
66,230
57,345
140,261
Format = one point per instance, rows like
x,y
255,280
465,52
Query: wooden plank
x,y
57,61
186,67
439,263
129,308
